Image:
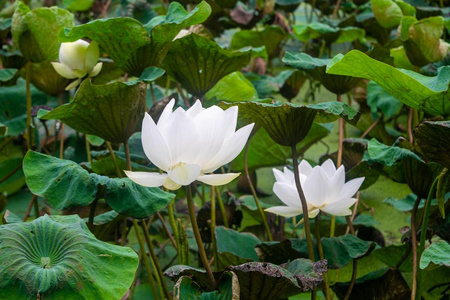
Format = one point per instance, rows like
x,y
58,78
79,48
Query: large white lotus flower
x,y
324,188
188,145
78,59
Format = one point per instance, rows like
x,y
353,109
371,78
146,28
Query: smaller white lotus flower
x,y
188,145
324,187
78,59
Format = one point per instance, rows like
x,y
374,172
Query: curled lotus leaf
x,y
316,68
288,124
35,32
199,63
57,257
429,94
433,141
112,111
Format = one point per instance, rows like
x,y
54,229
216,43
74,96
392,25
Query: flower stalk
x,y
198,238
255,196
306,226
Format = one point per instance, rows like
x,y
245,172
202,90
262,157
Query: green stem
x,y
171,238
355,263
423,234
36,208
88,149
145,259
29,135
113,156
213,229
414,247
320,249
155,262
92,214
172,222
127,156
306,226
222,207
255,196
198,238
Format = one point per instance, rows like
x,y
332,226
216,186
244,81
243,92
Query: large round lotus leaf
x,y
288,124
433,141
316,68
64,184
112,111
305,32
45,78
270,38
58,258
35,31
199,63
228,289
429,94
421,39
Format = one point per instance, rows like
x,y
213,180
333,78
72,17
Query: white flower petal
x,y
231,115
92,55
351,187
211,126
63,70
287,193
181,137
329,167
147,179
154,144
96,69
313,213
289,175
73,84
230,149
73,54
281,177
166,112
184,174
284,211
336,184
171,185
304,168
218,179
316,187
340,208
195,109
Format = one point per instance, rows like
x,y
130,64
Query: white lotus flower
x,y
188,145
78,59
324,187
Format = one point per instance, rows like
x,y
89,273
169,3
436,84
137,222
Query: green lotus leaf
x,y
421,40
379,99
199,63
432,140
387,12
66,185
263,152
232,87
270,37
11,218
338,251
77,5
15,182
3,130
292,84
119,37
35,31
228,288
57,257
235,247
307,31
316,68
263,281
287,5
45,78
7,74
401,60
429,94
163,29
288,124
112,111
13,106
438,253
